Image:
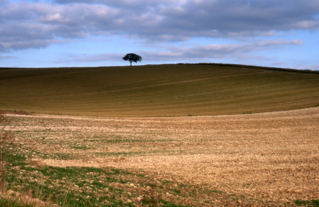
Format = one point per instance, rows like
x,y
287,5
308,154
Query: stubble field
x,y
265,159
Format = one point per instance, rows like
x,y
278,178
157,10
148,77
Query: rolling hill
x,y
157,90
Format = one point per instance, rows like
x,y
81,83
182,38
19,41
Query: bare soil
x,y
266,156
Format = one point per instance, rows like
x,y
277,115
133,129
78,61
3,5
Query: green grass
x,y
6,202
158,90
307,203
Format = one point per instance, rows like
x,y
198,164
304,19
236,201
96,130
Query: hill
x,y
157,90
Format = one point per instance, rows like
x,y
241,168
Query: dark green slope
x,y
157,90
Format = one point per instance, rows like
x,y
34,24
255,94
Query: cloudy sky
x,y
57,33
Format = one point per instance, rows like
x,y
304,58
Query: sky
x,y
82,33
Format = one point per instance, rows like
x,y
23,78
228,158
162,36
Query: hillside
x,y
157,90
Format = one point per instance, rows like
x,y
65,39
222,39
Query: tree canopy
x,y
132,57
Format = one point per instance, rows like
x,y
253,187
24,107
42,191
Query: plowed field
x,y
157,90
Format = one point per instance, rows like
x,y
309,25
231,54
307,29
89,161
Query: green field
x,y
157,90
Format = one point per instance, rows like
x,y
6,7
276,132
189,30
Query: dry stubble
x,y
267,156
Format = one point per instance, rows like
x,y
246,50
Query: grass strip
x,y
307,203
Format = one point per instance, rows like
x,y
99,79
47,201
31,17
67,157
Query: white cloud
x,y
195,53
280,43
35,25
6,57
314,67
228,50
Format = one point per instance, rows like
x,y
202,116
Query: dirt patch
x,y
266,156
14,112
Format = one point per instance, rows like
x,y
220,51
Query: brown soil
x,y
14,112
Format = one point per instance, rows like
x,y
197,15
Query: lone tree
x,y
132,58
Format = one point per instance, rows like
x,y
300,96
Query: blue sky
x,y
71,33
